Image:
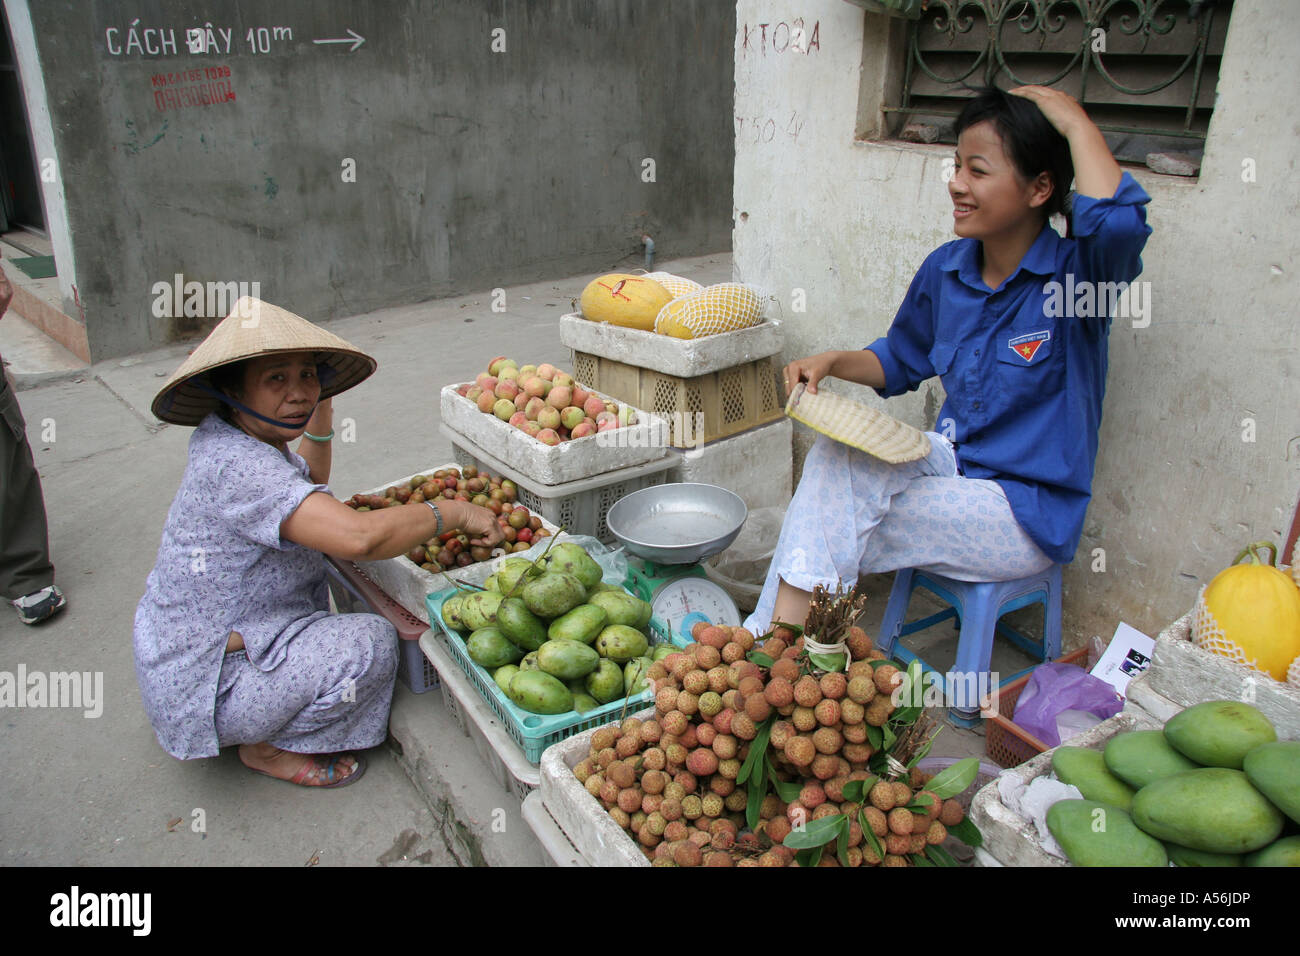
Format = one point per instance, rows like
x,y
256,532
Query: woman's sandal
x,y
318,763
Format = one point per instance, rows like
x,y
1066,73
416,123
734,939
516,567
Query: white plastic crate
x,y
673,356
502,755
1186,674
579,507
574,460
1009,838
600,840
557,847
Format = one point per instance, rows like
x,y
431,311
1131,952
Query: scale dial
x,y
684,601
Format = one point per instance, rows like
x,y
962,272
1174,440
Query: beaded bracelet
x,y
319,438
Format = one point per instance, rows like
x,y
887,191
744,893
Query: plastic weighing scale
x,y
667,530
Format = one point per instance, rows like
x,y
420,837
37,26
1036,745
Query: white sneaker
x,y
40,605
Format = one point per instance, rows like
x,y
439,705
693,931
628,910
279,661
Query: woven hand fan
x,y
860,426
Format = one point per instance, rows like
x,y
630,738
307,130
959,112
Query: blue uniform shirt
x,y
1024,366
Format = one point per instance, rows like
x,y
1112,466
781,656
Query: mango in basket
x,y
567,659
539,693
582,624
554,593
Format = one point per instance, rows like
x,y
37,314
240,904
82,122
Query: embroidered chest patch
x,y
1027,346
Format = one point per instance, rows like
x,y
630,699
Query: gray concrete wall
x,y
1200,451
474,168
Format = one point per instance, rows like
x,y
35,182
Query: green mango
x,y
1274,770
621,643
508,575
584,702
622,608
605,683
491,649
539,693
502,676
529,663
479,609
603,586
570,558
582,624
567,659
1140,757
660,651
1219,733
1212,808
1284,852
1186,856
553,594
1093,833
634,675
492,583
521,626
451,613
1086,769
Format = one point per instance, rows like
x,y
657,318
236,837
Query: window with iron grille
x,y
1145,70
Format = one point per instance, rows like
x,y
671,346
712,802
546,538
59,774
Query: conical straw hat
x,y
256,328
860,426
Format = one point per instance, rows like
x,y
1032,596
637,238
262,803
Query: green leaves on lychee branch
x,y
757,750
950,782
869,834
842,842
918,860
925,749
817,832
939,856
754,799
967,832
761,659
827,662
874,737
787,791
855,791
809,858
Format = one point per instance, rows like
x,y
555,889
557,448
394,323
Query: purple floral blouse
x,y
222,566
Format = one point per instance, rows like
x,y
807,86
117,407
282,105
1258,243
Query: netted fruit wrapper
x,y
725,307
676,285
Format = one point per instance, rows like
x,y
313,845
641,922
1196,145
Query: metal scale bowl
x,y
667,530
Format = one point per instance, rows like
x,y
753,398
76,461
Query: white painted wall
x,y
38,118
1177,491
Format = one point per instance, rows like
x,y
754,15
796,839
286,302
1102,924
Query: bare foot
x,y
286,765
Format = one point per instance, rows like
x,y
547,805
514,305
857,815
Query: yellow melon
x,y
1251,613
725,307
626,300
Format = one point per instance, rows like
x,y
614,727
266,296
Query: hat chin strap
x,y
223,397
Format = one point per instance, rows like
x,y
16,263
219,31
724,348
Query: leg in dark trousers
x,y
24,543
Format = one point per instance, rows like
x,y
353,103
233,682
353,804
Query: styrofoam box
x,y
573,460
407,584
1187,675
1011,839
558,848
757,464
672,356
600,840
499,752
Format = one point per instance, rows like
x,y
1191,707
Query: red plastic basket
x,y
1006,744
354,591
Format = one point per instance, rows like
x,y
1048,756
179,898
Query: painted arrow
x,y
353,37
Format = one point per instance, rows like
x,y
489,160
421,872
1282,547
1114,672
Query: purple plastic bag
x,y
1055,688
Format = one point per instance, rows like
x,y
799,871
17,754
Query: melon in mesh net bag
x,y
1206,633
724,307
677,285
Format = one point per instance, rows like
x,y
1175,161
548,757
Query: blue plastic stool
x,y
978,608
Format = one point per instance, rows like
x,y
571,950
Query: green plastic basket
x,y
534,732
